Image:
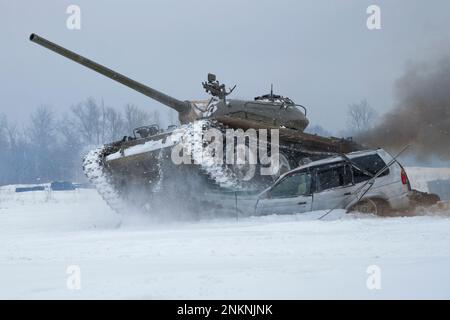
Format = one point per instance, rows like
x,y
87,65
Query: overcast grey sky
x,y
319,53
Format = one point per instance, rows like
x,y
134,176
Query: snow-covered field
x,y
43,233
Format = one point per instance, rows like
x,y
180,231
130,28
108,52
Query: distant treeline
x,y
50,146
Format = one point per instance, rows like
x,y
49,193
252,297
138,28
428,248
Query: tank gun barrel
x,y
180,106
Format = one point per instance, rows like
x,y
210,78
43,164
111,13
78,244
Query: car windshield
x,y
294,185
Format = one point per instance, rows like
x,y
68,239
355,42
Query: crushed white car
x,y
370,181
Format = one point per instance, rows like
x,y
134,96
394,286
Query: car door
x,y
333,186
290,195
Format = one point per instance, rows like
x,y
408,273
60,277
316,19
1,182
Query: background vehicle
x,y
338,183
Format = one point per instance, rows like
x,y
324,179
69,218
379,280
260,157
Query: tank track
x,y
95,171
220,174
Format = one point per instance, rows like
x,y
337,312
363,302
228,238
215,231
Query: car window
x,y
371,163
328,177
294,185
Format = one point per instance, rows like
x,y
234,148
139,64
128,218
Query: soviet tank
x,y
138,167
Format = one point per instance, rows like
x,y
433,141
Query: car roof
x,y
351,155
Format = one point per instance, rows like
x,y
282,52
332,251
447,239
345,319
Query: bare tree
x,y
51,147
42,129
70,147
41,134
88,118
15,154
134,117
360,116
4,147
156,118
114,124
3,131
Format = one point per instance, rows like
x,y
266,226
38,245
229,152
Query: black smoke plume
x,y
421,113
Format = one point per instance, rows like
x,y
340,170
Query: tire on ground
x,y
378,207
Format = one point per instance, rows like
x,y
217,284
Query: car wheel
x,y
371,206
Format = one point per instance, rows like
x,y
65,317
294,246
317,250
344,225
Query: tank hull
x,y
142,175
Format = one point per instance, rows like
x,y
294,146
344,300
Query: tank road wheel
x,y
284,165
371,206
244,167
